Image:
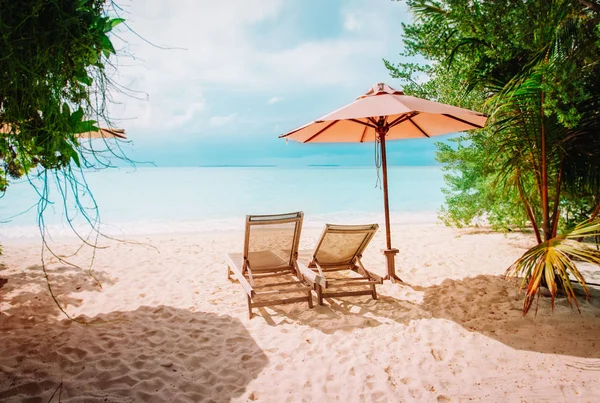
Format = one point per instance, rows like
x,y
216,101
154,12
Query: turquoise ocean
x,y
188,199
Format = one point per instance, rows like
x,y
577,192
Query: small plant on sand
x,y
551,262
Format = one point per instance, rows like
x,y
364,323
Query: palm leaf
x,y
552,262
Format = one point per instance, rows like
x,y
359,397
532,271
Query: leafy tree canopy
x,y
534,67
53,55
528,64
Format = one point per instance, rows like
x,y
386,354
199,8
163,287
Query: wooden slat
x,y
345,294
284,291
278,302
352,284
271,269
348,279
333,268
266,275
336,268
275,221
277,284
350,231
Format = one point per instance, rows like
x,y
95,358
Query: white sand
x,y
168,326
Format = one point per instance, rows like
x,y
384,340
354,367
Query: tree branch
x,y
595,7
595,213
528,209
555,216
544,165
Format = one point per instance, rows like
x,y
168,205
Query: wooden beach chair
x,y
271,251
340,249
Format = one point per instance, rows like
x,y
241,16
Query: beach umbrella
x,y
103,133
95,134
384,114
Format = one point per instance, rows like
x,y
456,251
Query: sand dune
x,y
166,325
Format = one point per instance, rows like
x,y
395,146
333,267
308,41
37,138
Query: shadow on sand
x,y
150,354
486,304
33,293
349,313
492,306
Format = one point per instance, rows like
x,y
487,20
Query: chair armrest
x,y
310,275
240,277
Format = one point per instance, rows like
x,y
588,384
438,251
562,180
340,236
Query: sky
x,y
216,82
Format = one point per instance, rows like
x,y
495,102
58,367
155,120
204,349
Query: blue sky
x,y
236,74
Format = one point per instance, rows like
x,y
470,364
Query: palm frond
x,y
585,229
550,263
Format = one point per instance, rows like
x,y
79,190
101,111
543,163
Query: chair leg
x,y
320,294
310,301
249,307
373,291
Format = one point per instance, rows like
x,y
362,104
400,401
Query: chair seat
x,y
261,261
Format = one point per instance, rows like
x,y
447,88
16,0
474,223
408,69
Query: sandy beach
x,y
166,325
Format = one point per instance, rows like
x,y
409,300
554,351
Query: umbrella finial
x,y
381,89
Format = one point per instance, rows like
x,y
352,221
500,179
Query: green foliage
x,y
551,262
475,191
52,80
468,161
533,67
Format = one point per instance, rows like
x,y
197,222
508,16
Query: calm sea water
x,y
150,200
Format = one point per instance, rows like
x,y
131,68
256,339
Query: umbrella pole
x,y
390,252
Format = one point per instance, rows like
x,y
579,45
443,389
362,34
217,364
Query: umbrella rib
x,y
418,127
362,123
320,131
292,132
462,120
114,132
401,119
362,137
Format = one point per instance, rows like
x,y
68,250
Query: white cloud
x,y
213,49
352,23
164,105
217,121
274,100
315,64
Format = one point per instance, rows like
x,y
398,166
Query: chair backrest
x,y
339,245
272,240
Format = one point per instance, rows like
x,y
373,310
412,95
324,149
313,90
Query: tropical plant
x,y
551,262
53,81
54,85
533,67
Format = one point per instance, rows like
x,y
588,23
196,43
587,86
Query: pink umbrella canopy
x,y
404,117
383,114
